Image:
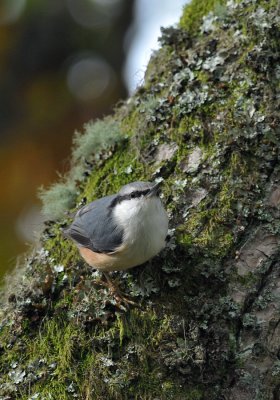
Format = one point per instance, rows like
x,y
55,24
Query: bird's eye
x,y
133,195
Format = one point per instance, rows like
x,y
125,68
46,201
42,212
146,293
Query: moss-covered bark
x,y
206,124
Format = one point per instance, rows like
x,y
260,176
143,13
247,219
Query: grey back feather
x,y
94,227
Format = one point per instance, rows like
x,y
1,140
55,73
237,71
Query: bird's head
x,y
137,194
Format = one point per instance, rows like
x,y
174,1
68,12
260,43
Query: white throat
x,y
145,225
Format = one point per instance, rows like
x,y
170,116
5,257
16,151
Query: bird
x,y
123,230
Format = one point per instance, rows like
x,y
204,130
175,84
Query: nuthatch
x,y
123,230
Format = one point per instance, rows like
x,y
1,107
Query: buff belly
x,y
117,261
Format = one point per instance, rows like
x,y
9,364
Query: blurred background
x,y
62,63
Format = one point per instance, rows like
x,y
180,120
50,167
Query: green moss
x,y
193,13
190,125
194,394
56,344
202,77
122,168
11,354
53,390
205,228
98,136
156,68
82,366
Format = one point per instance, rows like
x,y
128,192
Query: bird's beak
x,y
154,191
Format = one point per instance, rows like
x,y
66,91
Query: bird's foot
x,y
115,291
121,298
118,295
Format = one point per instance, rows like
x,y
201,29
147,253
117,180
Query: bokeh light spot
x,y
89,77
107,3
88,14
10,10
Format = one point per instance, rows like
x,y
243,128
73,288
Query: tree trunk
x,y
207,324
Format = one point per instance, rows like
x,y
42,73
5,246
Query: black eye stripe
x,y
138,193
133,195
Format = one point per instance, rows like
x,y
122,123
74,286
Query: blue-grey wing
x,y
95,228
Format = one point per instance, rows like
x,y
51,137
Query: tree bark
x,y
207,326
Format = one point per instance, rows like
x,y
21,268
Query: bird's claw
x,y
114,290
